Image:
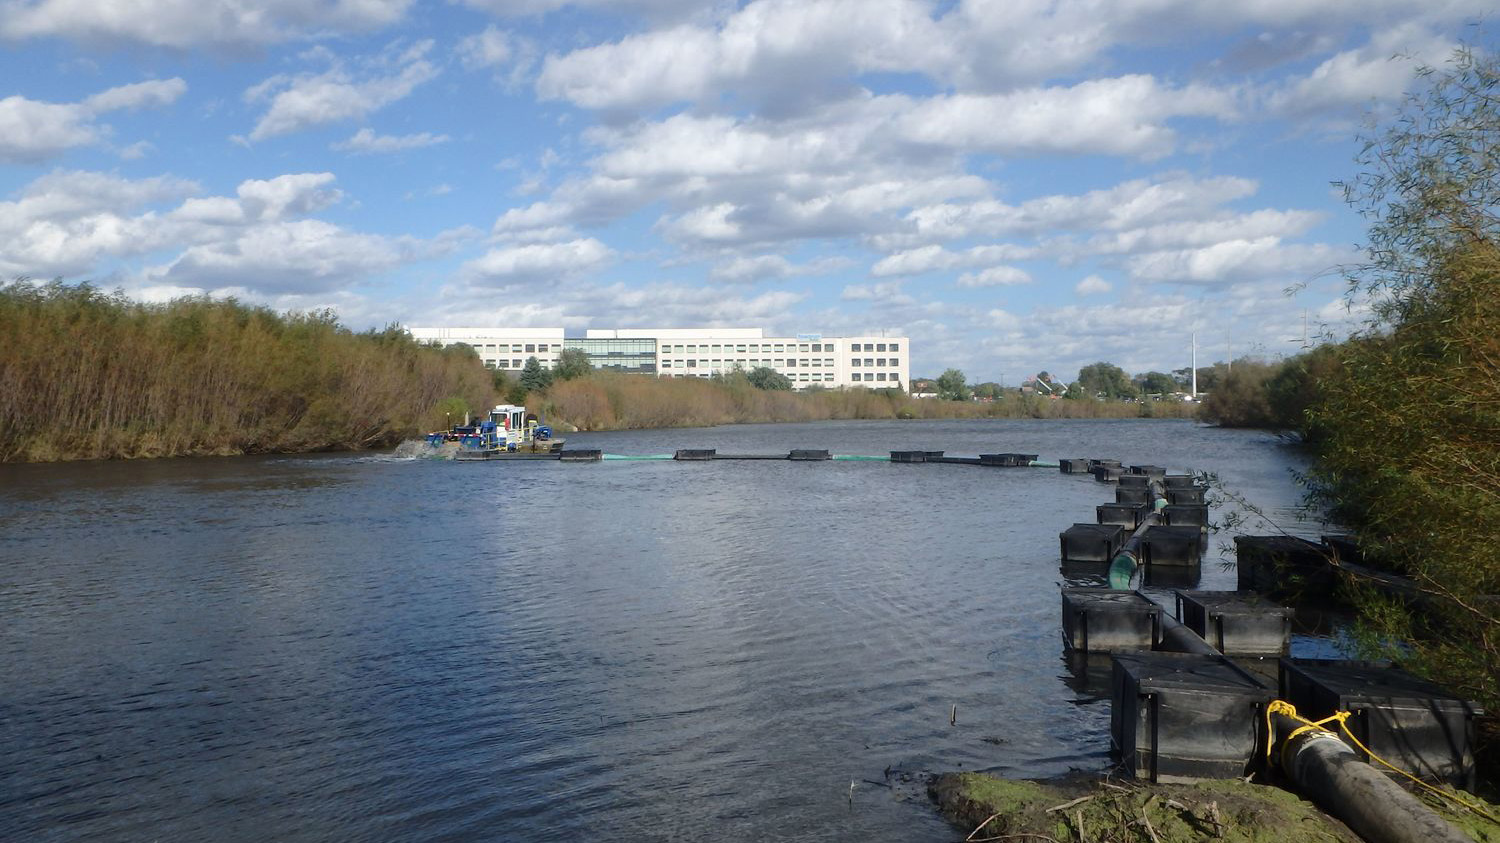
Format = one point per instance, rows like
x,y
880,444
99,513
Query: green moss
x,y
1232,811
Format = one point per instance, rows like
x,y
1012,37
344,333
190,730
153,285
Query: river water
x,y
360,647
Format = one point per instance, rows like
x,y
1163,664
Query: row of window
x,y
720,363
743,348
518,348
875,361
857,377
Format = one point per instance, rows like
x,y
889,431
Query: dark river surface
x,y
361,647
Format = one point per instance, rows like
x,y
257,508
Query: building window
x,y
880,376
869,361
880,347
780,348
791,363
895,377
895,346
854,362
531,348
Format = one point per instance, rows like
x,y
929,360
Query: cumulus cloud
x,y
995,276
33,131
746,269
188,24
262,240
936,258
339,94
367,142
1380,70
537,262
1262,258
1092,285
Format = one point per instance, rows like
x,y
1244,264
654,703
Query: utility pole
x,y
1195,366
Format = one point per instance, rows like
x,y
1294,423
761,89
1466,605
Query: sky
x,y
1016,185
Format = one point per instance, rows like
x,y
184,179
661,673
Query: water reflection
x,y
364,648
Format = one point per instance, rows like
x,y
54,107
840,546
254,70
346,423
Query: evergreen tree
x,y
533,377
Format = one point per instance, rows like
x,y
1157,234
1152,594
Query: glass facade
x,y
618,355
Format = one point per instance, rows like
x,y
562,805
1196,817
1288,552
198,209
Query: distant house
x,y
923,388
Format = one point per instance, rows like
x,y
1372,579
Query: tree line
x,y
90,374
1099,381
1403,418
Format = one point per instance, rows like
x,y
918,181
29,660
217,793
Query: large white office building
x,y
806,359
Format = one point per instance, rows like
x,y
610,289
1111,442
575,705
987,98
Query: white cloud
x,y
366,141
886,291
1126,116
995,276
336,95
936,258
1092,285
261,240
33,131
537,262
1125,206
742,269
281,257
189,24
156,92
493,46
1264,258
286,196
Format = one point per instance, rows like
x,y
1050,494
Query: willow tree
x,y
1410,422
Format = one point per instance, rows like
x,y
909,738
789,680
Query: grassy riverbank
x,y
86,374
609,401
1082,807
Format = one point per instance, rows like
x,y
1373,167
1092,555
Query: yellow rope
x,y
1342,718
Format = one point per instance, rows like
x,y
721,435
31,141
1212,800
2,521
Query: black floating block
x,y
1171,546
808,455
908,456
1179,481
1127,515
1093,464
1106,620
582,455
1179,717
1410,722
694,454
1155,472
1180,495
1073,466
1283,565
994,459
1091,542
934,455
1108,473
1185,515
1132,494
1237,623
1135,481
1344,549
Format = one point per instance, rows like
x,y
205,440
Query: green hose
x,y
1121,570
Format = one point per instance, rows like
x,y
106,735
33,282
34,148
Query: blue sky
x,y
1017,185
